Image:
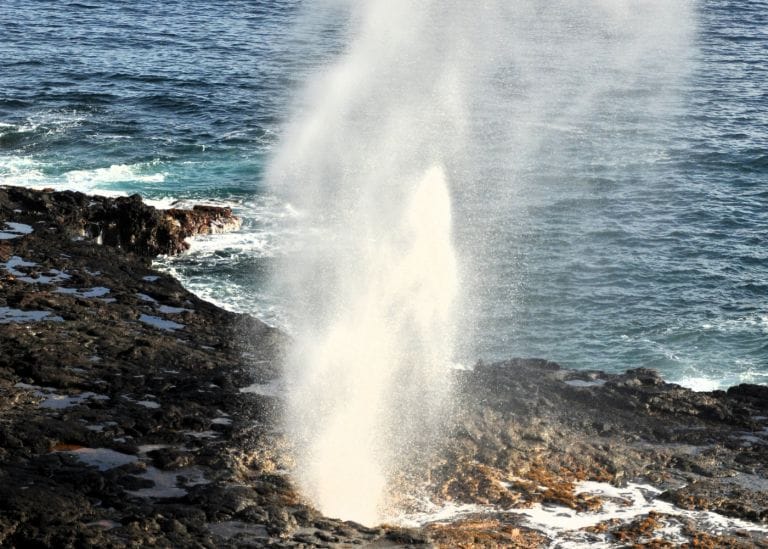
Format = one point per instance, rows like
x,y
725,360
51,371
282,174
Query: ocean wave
x,y
268,224
164,203
27,171
699,383
54,121
20,171
742,371
39,128
227,293
748,323
253,244
231,269
117,173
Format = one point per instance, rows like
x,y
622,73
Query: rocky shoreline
x,y
133,413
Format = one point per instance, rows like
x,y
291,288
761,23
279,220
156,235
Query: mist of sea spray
x,y
435,111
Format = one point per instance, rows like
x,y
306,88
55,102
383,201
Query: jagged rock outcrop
x,y
124,222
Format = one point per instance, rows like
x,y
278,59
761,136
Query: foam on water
x,y
120,173
567,526
701,384
625,504
21,171
240,262
106,181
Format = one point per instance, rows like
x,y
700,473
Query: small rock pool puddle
x,y
164,484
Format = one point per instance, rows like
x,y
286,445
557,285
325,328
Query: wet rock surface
x,y
533,435
133,413
125,222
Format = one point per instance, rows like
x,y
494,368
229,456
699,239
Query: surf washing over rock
x,y
431,115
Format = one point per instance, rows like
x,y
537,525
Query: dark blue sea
x,y
634,233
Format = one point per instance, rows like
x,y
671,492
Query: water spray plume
x,y
435,112
358,397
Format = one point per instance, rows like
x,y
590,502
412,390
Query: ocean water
x,y
630,235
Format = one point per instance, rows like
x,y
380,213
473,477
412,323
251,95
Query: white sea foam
x,y
701,384
266,235
21,171
117,173
27,171
254,244
746,323
567,525
165,202
626,504
268,224
446,513
55,121
52,122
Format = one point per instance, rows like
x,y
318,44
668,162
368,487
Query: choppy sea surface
x,y
645,249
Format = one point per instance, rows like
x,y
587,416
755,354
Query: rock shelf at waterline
x,y
134,413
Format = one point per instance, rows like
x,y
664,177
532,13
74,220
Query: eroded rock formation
x,y
124,222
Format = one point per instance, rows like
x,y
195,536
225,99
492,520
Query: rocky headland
x,y
134,414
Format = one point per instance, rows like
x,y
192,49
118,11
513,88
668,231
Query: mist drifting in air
x,y
403,158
